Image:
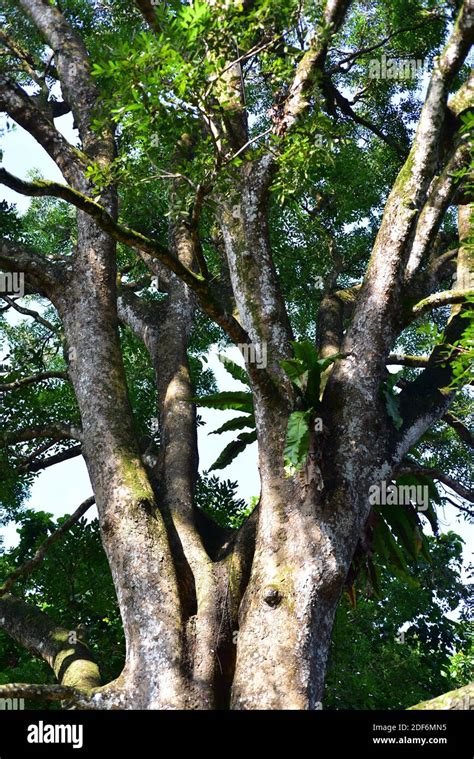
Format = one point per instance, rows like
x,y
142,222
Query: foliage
x,y
371,668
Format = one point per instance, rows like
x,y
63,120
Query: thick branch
x,y
462,698
31,628
437,474
437,300
415,362
376,316
53,431
311,65
73,67
58,458
147,9
39,269
32,692
25,110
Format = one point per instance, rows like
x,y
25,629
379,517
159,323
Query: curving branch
x,y
26,110
78,87
41,273
28,567
437,300
68,656
35,315
345,107
25,381
57,458
437,474
55,431
464,433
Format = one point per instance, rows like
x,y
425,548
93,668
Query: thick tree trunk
x,y
133,532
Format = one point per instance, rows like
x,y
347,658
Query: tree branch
x,y
24,381
53,431
437,300
42,272
147,9
57,458
30,312
32,692
437,474
376,316
30,565
73,67
133,239
311,65
464,433
26,111
346,108
69,657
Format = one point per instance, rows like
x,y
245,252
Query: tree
x,y
247,135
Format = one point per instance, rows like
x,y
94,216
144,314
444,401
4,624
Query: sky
x,y
62,488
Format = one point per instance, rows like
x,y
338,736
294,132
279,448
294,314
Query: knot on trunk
x,y
272,597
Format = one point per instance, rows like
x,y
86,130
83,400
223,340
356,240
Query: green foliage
x,y
392,402
232,401
371,668
73,585
217,499
305,372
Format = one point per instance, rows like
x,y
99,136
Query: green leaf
x,y
238,423
296,371
232,450
392,401
297,440
386,545
237,372
234,401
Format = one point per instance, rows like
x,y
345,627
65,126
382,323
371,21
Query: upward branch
x,y
311,65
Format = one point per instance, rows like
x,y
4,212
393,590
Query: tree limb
x,y
311,65
54,431
134,239
41,692
346,108
437,300
30,312
57,458
24,381
69,657
437,474
147,9
25,110
73,67
30,565
464,433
